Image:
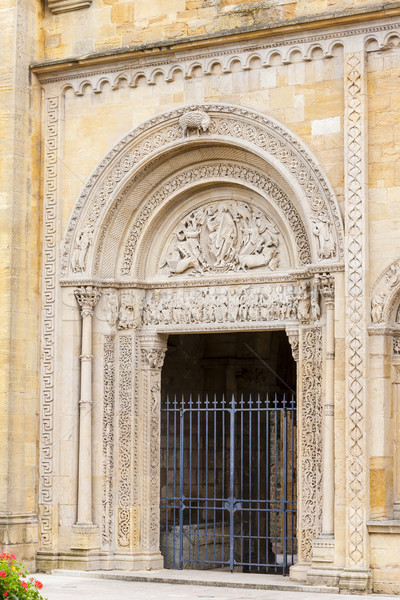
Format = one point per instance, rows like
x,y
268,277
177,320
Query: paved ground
x,y
61,587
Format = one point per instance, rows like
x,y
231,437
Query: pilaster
x,y
152,348
356,577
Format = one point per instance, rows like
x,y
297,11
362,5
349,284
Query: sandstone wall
x,y
113,24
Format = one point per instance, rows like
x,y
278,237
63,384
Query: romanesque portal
x,y
220,230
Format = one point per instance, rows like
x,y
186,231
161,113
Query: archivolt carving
x,y
223,236
385,294
232,124
219,171
311,440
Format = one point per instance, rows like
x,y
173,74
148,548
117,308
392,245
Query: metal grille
x,y
228,481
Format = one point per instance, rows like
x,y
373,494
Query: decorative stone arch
x,y
384,333
281,159
132,207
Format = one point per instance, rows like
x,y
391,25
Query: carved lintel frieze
x,y
293,337
396,346
87,297
60,6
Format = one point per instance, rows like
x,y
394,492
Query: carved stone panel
x,y
220,237
310,440
230,305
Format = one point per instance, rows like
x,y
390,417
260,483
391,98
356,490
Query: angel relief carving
x,y
223,236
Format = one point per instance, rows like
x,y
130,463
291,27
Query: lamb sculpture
x,y
195,120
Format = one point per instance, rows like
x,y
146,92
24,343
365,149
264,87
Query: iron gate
x,y
228,481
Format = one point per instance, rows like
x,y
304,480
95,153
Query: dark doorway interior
x,y
228,452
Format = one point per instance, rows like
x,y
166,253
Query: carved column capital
x,y
293,337
87,297
326,286
152,351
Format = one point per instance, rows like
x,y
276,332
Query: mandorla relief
x,y
220,237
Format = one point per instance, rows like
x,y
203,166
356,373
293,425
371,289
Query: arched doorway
x,y
232,230
228,452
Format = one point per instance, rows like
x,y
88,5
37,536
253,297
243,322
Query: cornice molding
x,y
61,6
339,24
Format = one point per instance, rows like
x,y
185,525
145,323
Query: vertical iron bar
x,y
267,474
167,488
232,483
241,475
175,499
206,499
215,472
284,532
276,499
250,481
223,495
190,478
258,414
181,461
198,476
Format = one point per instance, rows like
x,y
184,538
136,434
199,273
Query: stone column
x,y
396,407
327,291
323,546
85,533
152,352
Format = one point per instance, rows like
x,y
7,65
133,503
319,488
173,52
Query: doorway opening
x,y
228,452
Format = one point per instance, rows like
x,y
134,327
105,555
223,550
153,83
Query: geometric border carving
x,y
48,325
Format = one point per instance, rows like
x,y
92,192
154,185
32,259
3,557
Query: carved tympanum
x,y
223,236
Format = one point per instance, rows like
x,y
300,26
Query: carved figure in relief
x,y
393,276
315,307
322,229
377,305
127,311
285,302
79,254
304,303
223,236
111,307
194,120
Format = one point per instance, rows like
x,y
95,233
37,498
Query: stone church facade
x,y
198,167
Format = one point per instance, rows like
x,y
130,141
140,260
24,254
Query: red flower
x,y
3,574
24,584
38,584
6,594
13,557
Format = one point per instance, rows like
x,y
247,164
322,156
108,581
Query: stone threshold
x,y
208,578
